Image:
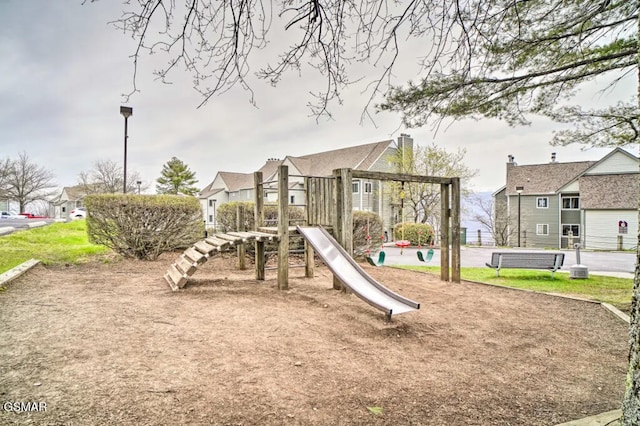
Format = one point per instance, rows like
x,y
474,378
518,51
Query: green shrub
x,y
143,226
367,232
417,233
226,215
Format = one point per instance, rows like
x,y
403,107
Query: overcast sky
x,y
64,70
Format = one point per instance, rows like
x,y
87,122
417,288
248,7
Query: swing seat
x,y
421,257
380,260
403,243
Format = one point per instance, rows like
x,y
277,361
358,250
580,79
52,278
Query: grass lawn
x,y
53,244
616,291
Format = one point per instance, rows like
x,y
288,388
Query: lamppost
x,y
139,182
126,113
519,190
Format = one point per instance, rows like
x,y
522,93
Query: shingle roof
x,y
237,181
359,157
74,193
543,178
612,191
208,192
269,168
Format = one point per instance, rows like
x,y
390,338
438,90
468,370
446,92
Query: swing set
x,y
449,214
402,243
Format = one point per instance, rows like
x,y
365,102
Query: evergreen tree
x,y
176,178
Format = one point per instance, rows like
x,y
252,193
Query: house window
x,y
210,218
368,187
542,202
542,229
64,209
211,203
292,199
575,229
570,203
248,195
355,187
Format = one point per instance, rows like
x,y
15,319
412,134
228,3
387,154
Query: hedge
x,y
416,233
143,226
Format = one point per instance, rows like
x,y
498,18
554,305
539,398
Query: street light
x,y
139,182
126,113
519,190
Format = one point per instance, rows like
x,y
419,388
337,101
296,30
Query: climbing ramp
x,y
187,264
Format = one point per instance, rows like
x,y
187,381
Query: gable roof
x,y
237,181
359,157
69,193
208,192
543,178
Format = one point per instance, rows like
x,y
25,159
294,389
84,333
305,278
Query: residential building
x,y
558,204
367,195
68,199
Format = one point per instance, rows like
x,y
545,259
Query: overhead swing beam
x,y
449,220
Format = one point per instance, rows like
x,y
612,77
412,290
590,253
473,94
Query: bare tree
x,y
106,177
422,200
5,169
494,217
27,181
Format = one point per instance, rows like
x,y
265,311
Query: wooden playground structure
x,y
329,204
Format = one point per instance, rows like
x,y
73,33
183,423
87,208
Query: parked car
x,y
78,213
33,216
7,215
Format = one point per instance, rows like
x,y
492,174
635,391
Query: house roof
x,y
70,193
611,191
359,157
543,178
237,181
269,168
208,192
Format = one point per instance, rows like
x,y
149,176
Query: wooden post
x,y
444,231
455,229
283,227
619,242
240,227
259,222
343,221
309,261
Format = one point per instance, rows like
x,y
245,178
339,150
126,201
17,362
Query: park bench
x,y
551,261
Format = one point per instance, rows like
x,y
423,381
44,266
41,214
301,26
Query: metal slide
x,y
353,276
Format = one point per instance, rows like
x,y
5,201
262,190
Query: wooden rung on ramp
x,y
187,264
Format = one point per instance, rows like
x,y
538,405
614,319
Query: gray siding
x,y
383,164
531,216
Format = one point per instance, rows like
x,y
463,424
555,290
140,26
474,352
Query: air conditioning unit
x,y
578,272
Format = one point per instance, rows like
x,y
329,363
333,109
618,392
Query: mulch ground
x,y
110,343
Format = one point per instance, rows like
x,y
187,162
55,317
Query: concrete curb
x,y
617,312
610,418
37,224
6,230
14,273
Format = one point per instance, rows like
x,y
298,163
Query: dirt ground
x,y
110,343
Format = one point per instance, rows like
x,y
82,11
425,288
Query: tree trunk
x,y
631,402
